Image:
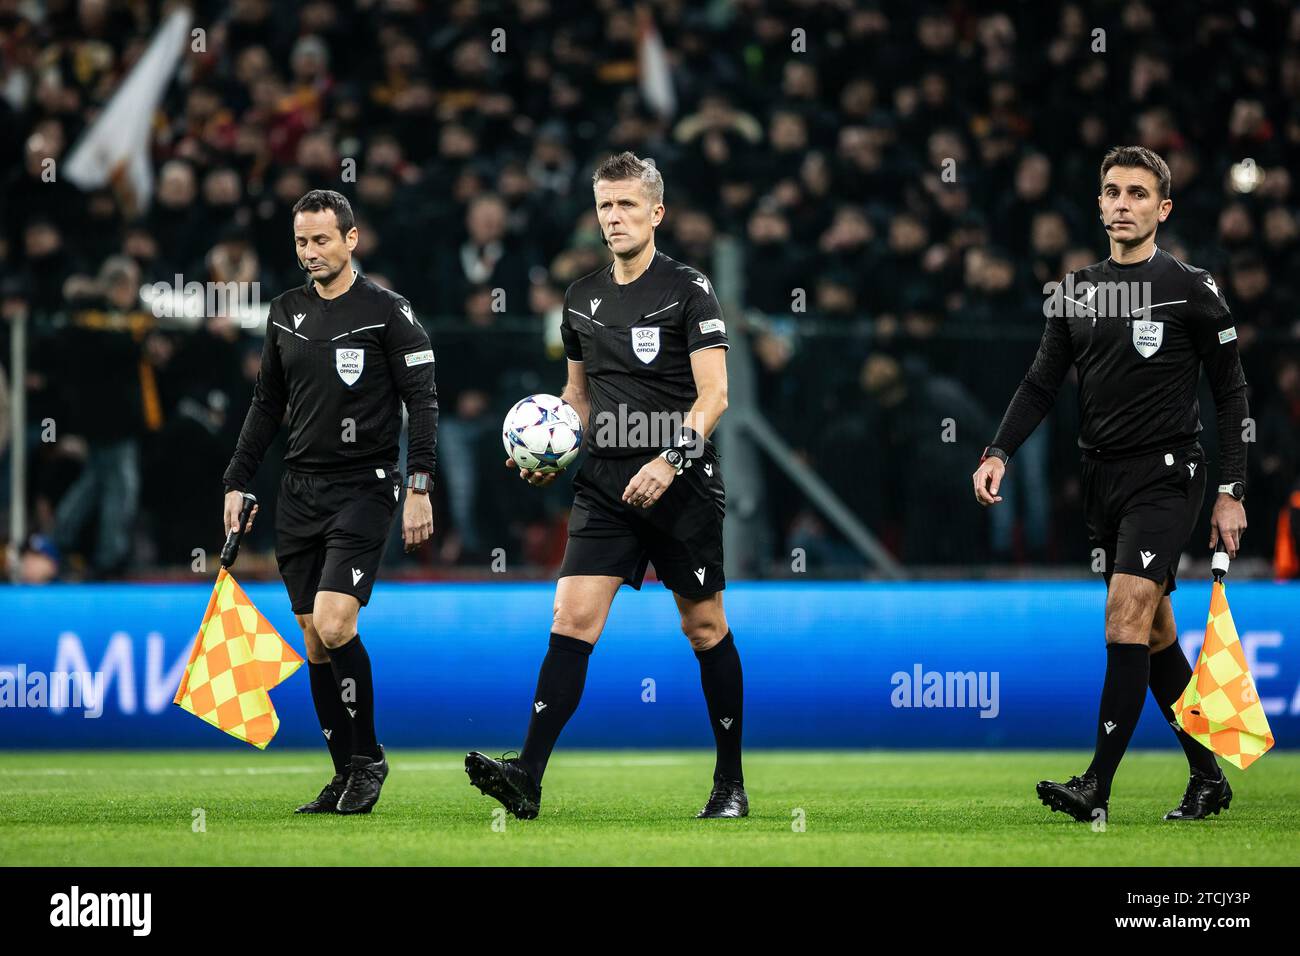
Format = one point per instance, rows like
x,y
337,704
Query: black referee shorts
x,y
681,532
1143,510
330,531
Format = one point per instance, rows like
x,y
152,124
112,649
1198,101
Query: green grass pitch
x,y
630,808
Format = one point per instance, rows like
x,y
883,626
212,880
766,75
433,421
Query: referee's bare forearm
x,y
576,395
707,411
709,369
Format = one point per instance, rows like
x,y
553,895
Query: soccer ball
x,y
542,433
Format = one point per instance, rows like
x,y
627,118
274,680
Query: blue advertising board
x,y
827,665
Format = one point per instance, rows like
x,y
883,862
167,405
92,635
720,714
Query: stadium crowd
x,y
900,181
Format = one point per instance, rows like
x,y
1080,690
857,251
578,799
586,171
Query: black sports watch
x,y
675,458
417,482
1235,488
992,451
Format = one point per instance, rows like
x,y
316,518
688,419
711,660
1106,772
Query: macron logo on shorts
x,y
700,574
357,575
1147,557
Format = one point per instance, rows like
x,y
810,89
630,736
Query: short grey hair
x,y
627,165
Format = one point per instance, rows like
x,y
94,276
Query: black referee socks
x,y
721,679
1122,697
1170,674
559,688
334,721
356,690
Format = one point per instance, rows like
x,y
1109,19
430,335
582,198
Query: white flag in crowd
x,y
652,63
116,146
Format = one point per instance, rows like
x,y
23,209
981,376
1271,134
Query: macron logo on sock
x,y
538,707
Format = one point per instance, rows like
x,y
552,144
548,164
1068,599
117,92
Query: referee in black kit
x,y
341,354
646,344
1138,327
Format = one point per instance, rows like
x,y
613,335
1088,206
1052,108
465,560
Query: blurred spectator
x,y
914,406
112,395
487,258
38,560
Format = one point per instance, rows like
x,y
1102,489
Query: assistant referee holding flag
x,y
341,355
1144,472
646,344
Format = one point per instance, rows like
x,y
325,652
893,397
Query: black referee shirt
x,y
357,356
1138,367
635,342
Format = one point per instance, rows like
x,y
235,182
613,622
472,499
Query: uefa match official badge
x,y
349,363
1147,337
645,343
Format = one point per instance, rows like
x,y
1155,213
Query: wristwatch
x,y
675,458
991,451
417,482
1235,488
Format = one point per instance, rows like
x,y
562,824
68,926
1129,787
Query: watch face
x,y
674,458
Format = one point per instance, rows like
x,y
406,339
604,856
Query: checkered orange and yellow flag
x,y
238,656
1220,706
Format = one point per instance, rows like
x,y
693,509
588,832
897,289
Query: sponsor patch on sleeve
x,y
1227,335
713,325
419,358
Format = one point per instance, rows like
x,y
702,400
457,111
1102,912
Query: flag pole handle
x,y
1219,563
231,548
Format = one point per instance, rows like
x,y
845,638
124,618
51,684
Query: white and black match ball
x,y
542,433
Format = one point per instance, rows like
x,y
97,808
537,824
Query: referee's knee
x,y
334,630
316,652
576,624
702,634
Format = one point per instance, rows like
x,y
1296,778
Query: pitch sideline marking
x,y
575,761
